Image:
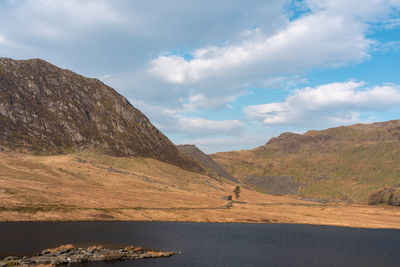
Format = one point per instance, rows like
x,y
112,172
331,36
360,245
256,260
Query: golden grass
x,y
97,187
62,247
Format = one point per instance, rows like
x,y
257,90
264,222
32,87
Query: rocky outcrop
x,y
389,196
274,185
289,142
69,254
204,159
50,110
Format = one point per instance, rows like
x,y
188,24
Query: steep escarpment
x,y
204,159
51,110
353,163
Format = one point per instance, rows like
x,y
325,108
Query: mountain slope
x,y
90,186
347,163
204,159
50,110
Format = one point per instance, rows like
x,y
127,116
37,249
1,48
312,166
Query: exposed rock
x,y
290,142
274,185
50,110
321,178
390,196
69,254
204,159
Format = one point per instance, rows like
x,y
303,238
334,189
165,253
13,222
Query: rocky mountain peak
x,y
46,109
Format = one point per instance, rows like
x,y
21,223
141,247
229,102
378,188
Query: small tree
x,y
236,191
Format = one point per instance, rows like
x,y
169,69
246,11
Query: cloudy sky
x,y
224,74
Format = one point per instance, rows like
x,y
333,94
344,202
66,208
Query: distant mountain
x,y
46,109
204,159
331,139
359,163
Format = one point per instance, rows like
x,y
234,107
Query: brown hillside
x,y
350,163
89,186
333,138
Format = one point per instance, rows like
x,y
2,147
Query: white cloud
x,y
33,21
369,10
332,34
203,127
330,104
218,144
316,40
83,12
201,102
174,122
387,46
4,41
391,23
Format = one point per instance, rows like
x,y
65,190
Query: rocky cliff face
x,y
195,153
51,110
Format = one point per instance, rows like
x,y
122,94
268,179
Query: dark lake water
x,y
214,244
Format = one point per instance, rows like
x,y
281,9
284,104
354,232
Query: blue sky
x,y
224,75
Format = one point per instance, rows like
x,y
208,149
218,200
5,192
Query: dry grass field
x,y
89,186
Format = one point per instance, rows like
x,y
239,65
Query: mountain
x,y
204,159
358,163
49,110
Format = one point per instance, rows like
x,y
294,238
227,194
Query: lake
x,y
214,244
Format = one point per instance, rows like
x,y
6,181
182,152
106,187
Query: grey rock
x,y
26,262
79,255
321,178
275,185
51,110
11,258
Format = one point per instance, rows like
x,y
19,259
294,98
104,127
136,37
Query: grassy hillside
x,y
347,163
90,186
99,186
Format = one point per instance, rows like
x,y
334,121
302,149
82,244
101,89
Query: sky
x,y
223,74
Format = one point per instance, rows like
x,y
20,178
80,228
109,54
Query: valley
x,y
72,148
90,186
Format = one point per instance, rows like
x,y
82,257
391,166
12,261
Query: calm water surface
x,y
214,244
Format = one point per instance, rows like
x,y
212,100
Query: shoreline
x,y
199,222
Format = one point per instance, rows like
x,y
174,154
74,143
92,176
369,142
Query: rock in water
x,y
51,110
68,254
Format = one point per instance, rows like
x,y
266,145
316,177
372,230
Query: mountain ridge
x,y
47,109
350,163
356,133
